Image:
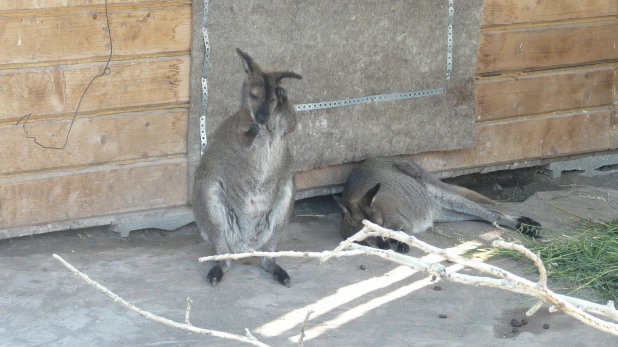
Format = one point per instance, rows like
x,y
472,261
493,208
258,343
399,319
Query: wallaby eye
x,y
253,95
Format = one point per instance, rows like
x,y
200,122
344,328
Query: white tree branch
x,y
158,319
188,311
287,254
536,258
535,308
506,280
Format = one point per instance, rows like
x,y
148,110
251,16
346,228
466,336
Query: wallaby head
x,y
259,92
355,212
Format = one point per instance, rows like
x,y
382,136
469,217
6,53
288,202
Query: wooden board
x,y
93,141
84,35
518,140
92,192
21,5
500,12
499,143
46,92
544,92
537,48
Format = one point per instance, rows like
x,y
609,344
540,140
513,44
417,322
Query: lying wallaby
x,y
244,188
400,195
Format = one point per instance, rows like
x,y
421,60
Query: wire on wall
x,y
106,71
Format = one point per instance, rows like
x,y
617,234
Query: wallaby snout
x,y
261,115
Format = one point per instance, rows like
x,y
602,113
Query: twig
x,y
514,283
249,335
565,211
188,311
346,243
289,254
156,318
534,308
302,329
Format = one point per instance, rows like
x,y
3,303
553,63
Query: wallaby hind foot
x,y
215,275
403,248
280,275
529,227
216,272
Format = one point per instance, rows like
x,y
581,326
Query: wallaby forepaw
x,y
214,275
281,276
253,130
529,227
281,92
403,248
383,244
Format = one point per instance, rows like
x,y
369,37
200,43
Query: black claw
x,y
403,248
281,276
214,275
529,227
281,93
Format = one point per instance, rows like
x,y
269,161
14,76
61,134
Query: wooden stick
x,y
156,318
188,311
535,308
302,329
288,254
536,258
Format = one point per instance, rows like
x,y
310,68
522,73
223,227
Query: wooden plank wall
x,y
546,87
546,83
128,148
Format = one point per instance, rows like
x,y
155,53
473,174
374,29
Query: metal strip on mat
x,y
449,53
204,78
368,99
335,103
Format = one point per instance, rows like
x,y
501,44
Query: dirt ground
x,y
42,303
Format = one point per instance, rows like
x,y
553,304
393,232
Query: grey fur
x,y
400,195
244,188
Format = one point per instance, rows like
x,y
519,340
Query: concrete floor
x,y
42,303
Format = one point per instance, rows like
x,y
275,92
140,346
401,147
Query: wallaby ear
x,y
279,75
247,62
343,204
367,199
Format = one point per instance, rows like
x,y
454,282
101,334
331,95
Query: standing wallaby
x,y
400,195
244,187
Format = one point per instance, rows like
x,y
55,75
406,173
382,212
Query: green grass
x,y
586,257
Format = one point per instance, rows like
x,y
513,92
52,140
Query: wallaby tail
x,y
474,196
